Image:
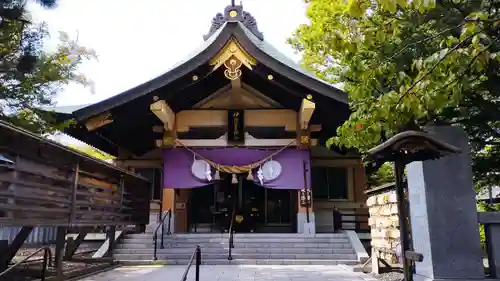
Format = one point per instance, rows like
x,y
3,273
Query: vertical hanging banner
x,y
236,127
305,197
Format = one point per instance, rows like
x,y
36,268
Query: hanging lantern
x,y
217,175
234,179
250,176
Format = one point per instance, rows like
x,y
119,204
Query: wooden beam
x,y
249,141
8,254
139,163
72,244
306,111
158,129
315,128
98,121
164,113
236,84
253,118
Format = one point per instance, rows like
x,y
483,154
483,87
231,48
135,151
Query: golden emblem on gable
x,y
233,70
233,56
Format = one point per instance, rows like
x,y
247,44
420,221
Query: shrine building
x,y
236,127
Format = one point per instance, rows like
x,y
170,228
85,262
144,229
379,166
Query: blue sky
x,y
139,40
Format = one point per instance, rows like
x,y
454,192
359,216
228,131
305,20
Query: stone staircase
x,y
249,248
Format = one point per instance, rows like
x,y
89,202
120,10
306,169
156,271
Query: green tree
x,y
91,151
384,174
30,78
406,63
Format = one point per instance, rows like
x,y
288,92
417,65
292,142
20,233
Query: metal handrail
x,y
47,261
155,235
339,218
231,234
197,255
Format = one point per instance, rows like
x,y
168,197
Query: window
x,y
330,183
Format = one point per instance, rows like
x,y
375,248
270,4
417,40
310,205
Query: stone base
x,y
305,227
417,277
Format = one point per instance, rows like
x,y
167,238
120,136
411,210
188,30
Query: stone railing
x,y
384,223
491,222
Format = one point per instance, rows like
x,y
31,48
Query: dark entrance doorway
x,y
259,209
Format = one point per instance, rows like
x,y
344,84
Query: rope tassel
x,y
231,169
217,175
234,180
250,176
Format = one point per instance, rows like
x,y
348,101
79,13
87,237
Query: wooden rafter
x,y
164,113
98,121
306,111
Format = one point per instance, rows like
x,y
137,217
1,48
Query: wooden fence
x,y
43,183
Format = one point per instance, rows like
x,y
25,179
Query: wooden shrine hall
x,y
237,127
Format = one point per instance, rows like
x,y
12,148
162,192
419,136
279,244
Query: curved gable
x,y
244,30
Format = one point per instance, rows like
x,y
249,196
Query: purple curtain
x,y
178,161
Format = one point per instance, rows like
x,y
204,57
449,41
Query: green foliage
x,y
91,151
385,174
29,77
406,63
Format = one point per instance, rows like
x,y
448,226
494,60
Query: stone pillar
x,y
154,215
443,213
491,222
302,225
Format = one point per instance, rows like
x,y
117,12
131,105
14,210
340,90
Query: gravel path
x,y
390,276
234,273
26,271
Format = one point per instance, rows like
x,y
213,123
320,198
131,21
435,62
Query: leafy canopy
x,y
405,63
30,78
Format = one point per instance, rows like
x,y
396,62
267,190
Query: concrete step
x,y
245,235
297,250
258,256
225,261
191,245
239,240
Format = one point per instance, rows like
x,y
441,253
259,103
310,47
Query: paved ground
x,y
233,273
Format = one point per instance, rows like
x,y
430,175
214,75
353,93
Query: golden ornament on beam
x,y
238,219
233,70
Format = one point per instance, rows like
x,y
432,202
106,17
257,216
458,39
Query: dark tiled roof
x,y
243,30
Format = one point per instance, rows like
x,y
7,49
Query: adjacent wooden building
x,y
235,126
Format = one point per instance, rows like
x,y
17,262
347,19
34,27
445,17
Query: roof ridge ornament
x,y
234,13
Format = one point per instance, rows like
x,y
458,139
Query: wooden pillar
x,y
59,253
181,210
359,184
4,247
360,196
168,201
111,236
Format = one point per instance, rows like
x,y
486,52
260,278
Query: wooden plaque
x,y
236,127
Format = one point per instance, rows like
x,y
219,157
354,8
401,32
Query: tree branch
x,y
432,69
416,43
